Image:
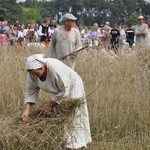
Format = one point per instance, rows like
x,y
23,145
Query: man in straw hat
x,y
141,30
53,76
65,39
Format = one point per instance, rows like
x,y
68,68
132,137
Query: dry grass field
x,y
119,113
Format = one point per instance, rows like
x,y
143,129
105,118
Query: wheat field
x,y
119,113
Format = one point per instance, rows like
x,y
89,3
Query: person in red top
x,y
3,40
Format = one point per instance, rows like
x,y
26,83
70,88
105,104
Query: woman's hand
x,y
48,108
25,113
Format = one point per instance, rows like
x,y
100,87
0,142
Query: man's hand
x,y
73,55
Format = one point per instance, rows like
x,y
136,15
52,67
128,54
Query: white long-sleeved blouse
x,y
61,81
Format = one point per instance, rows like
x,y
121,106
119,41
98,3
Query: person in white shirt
x,y
141,31
45,32
21,35
53,76
65,40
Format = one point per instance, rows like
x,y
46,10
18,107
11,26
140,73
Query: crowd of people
x,y
107,36
117,35
18,33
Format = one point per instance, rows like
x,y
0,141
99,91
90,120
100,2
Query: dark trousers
x,y
130,41
114,44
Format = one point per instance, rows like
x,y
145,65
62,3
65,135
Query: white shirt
x,y
39,32
21,34
60,82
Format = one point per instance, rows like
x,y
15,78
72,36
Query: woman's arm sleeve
x,y
32,91
61,90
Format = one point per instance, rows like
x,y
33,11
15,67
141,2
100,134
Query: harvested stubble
x,y
39,132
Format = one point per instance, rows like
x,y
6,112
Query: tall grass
x,y
119,116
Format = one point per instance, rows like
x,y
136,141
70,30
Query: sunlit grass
x,y
119,116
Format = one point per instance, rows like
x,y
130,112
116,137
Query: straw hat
x,y
140,17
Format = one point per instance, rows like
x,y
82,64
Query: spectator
x,y
105,38
130,36
31,33
94,34
12,34
3,39
107,26
21,35
6,27
17,24
122,38
141,31
115,34
1,26
44,31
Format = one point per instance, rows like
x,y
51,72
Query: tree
x,y
77,9
87,11
48,9
10,11
30,14
8,1
30,3
132,20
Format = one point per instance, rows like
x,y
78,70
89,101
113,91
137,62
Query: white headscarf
x,y
35,61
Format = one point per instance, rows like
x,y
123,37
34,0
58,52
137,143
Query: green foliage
x,y
132,20
30,14
87,11
48,9
31,3
10,11
8,1
62,6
